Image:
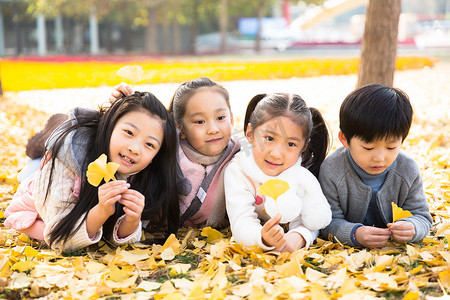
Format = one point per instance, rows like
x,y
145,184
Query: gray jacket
x,y
349,197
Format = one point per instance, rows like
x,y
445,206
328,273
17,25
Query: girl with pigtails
x,y
274,181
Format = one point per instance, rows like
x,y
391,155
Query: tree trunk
x,y
194,27
223,25
166,30
379,44
2,35
17,29
176,33
93,32
59,34
41,35
261,11
151,32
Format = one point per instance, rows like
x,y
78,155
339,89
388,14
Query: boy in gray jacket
x,y
361,179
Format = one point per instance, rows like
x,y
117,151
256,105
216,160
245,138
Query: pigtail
x,y
250,108
318,144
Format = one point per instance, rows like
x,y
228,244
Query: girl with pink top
x,y
202,113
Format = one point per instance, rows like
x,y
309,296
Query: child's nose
x,y
133,148
213,128
379,156
276,151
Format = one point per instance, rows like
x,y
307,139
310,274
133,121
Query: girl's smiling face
x,y
135,140
277,144
207,122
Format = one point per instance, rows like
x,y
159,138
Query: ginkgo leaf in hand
x,y
273,188
132,73
288,205
398,213
100,169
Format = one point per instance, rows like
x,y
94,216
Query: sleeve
x,y
339,227
245,224
132,238
58,203
309,235
316,212
416,202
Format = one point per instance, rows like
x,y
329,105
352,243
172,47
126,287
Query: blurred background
x,y
209,27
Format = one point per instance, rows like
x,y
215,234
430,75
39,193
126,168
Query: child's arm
x,y
402,231
412,198
119,91
133,202
108,194
58,203
339,227
272,234
245,224
371,237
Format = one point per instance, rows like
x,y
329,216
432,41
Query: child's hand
x,y
402,231
108,194
119,91
272,233
372,237
294,241
133,203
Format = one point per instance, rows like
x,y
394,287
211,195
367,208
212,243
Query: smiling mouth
x,y
272,165
126,159
214,140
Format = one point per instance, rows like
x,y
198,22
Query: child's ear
x,y
343,139
180,128
249,133
231,119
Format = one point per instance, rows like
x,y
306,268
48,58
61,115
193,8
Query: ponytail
x,y
318,145
250,108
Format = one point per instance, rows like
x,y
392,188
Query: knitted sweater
x,y
62,194
196,167
246,210
349,197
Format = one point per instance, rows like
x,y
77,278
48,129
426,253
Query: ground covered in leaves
x,y
205,263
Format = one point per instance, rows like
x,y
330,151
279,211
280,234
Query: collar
x,y
251,169
195,156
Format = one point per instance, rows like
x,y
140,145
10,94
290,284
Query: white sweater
x,y
242,180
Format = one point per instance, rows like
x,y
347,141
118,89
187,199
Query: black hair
x,y
375,111
187,89
264,107
156,182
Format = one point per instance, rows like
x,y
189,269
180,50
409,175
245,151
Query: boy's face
x,y
373,157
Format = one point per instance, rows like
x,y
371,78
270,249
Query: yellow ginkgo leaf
x,y
211,234
23,266
273,188
132,73
398,213
117,274
100,169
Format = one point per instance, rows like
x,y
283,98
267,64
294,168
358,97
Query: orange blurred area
x,y
20,75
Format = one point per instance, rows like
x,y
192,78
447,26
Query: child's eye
x,y
221,118
150,145
199,122
291,144
269,138
392,148
367,148
128,132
